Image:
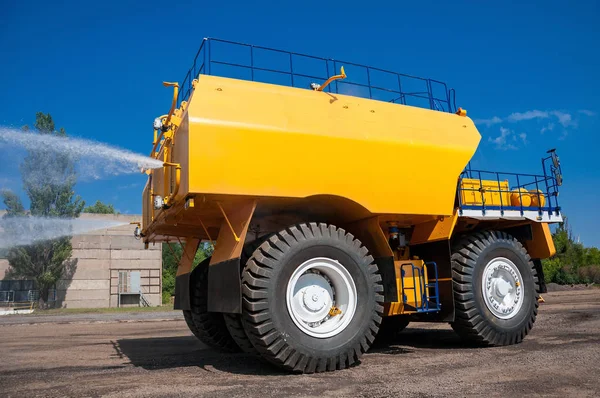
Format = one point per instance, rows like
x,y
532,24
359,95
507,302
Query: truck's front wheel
x,y
312,298
495,289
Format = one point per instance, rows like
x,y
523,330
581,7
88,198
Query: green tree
x,y
573,262
170,257
48,180
100,208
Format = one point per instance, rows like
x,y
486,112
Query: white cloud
x,y
528,115
564,118
129,186
488,122
501,140
564,135
523,137
548,127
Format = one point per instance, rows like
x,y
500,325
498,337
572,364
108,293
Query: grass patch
x,y
70,311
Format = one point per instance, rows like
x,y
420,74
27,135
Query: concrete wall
x,y
99,256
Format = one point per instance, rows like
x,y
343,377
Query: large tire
x,y
389,329
236,330
234,321
278,336
208,327
187,315
502,310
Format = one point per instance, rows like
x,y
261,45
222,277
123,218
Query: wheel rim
x,y
315,290
502,288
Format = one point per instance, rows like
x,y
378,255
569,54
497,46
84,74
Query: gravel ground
x,y
35,319
555,287
148,355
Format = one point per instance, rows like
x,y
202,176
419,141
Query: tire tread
x,y
261,331
468,322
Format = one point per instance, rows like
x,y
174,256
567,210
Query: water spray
x,y
97,156
22,231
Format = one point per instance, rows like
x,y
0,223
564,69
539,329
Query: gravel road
x,y
154,354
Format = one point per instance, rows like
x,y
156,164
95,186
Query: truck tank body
x,y
245,138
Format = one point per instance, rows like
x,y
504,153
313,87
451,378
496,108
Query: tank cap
x,y
461,112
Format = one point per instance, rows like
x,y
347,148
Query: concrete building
x,y
111,268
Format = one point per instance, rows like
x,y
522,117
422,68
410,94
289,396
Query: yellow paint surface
x,y
249,138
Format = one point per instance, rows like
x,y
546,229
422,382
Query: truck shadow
x,y
431,338
187,351
414,338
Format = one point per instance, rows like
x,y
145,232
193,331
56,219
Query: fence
x,y
18,293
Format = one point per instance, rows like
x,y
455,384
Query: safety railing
x,y
491,190
7,296
248,62
429,300
19,300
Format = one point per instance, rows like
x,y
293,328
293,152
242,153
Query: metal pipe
x,y
342,75
168,199
174,102
157,139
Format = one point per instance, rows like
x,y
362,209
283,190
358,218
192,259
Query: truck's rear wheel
x,y
234,321
495,289
312,298
208,327
234,325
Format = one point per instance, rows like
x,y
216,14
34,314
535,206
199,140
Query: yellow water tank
x,y
537,198
520,197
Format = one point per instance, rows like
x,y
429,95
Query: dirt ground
x,y
142,357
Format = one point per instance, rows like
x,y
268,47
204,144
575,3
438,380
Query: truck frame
x,y
340,208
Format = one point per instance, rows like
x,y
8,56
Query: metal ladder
x,y
429,302
143,300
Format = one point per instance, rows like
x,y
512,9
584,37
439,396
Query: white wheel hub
x,y
502,288
321,297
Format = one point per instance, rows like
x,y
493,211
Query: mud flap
x,y
225,287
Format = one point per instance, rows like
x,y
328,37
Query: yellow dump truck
x,y
341,205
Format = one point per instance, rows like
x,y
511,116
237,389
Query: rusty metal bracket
x,y
237,238
205,229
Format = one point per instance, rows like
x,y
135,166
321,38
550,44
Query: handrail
x,y
522,184
205,58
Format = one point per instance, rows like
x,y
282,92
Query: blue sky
x,y
526,72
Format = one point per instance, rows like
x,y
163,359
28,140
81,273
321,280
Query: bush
x,y
551,267
169,282
589,274
166,297
564,276
573,262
